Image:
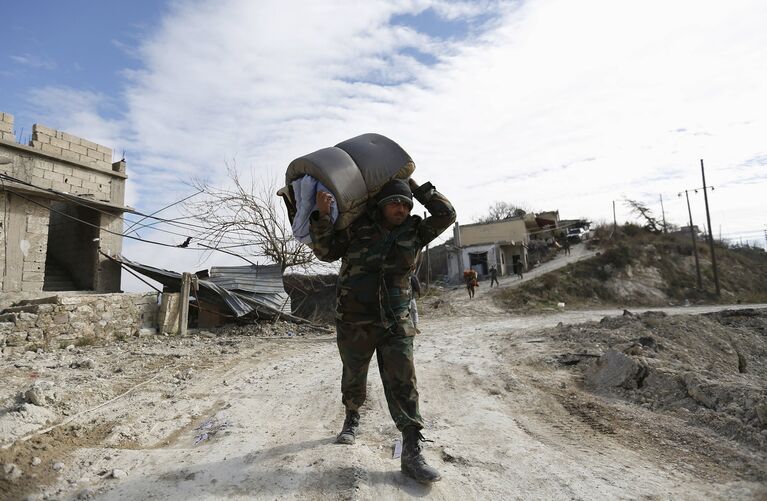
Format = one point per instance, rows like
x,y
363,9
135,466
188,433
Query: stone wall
x,y
61,320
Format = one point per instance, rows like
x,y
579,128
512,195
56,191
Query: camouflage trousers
x,y
394,351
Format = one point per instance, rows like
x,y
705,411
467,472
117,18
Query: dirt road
x,y
255,418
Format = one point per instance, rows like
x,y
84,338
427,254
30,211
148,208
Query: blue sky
x,y
78,44
546,103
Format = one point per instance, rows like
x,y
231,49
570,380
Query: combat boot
x,y
349,430
413,463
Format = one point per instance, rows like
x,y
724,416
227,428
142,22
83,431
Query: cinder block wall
x,y
108,277
71,147
23,243
66,163
6,127
4,223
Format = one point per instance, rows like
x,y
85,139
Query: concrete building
x,y
482,245
61,203
542,225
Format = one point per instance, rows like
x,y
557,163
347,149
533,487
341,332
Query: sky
x,y
546,104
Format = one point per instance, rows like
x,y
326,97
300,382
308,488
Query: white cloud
x,y
34,61
552,103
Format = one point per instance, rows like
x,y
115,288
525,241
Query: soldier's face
x,y
395,213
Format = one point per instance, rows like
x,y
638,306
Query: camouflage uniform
x,y
373,297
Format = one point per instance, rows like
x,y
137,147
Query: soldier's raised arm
x,y
441,211
328,244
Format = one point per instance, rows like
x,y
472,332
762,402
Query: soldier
x,y
494,276
518,269
378,253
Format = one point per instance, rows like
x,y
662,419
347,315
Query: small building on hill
x,y
542,226
480,246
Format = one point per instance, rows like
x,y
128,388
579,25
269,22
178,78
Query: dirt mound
x,y
648,270
709,370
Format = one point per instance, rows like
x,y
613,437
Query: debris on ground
x,y
710,370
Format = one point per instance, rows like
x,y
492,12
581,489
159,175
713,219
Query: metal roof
x,y
253,283
261,283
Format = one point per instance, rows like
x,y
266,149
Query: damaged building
x,y
62,200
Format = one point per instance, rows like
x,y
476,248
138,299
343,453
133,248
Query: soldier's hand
x,y
324,202
413,185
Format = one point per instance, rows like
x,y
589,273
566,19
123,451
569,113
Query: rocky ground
x,y
586,404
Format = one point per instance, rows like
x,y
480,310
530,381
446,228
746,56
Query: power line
x,y
80,201
162,209
84,202
125,236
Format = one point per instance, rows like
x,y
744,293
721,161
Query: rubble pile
x,y
710,370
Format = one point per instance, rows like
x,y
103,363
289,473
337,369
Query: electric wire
x,y
85,203
126,236
162,209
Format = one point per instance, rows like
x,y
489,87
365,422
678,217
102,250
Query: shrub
x,y
632,229
550,280
618,256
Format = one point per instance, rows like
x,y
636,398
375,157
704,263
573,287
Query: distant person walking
x,y
518,269
494,276
566,246
470,277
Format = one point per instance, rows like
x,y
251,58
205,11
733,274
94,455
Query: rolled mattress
x,y
354,170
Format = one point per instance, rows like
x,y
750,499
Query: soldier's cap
x,y
396,190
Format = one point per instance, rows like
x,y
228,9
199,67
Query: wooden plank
x,y
183,318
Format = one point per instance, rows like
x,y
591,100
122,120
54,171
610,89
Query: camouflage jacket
x,y
374,279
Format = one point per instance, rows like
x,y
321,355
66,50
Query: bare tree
x,y
641,210
248,221
500,211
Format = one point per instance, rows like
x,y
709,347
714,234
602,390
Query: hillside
x,y
646,269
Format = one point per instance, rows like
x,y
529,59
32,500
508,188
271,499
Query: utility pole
x,y
710,233
663,211
694,241
615,222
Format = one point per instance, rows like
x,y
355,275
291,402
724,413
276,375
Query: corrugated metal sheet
x,y
262,283
239,301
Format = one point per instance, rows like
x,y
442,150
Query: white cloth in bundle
x,y
305,190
